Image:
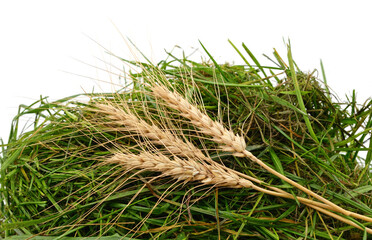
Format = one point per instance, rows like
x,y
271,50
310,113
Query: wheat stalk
x,y
130,122
230,142
176,146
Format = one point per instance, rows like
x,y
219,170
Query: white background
x,y
41,40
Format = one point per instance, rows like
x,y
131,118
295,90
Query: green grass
x,y
53,185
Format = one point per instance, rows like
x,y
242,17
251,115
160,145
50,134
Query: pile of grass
x,y
132,165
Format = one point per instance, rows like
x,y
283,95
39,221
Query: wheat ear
x,y
180,169
131,123
226,139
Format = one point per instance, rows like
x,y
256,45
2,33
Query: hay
x,y
54,181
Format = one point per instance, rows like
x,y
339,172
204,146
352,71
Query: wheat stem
x,y
295,184
331,214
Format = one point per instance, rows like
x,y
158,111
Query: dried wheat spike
x,y
128,121
180,169
227,140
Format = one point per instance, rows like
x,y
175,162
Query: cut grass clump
x,y
193,151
